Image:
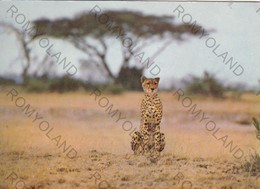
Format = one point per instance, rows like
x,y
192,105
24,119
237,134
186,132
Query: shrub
x,y
105,88
257,126
64,84
5,81
88,86
253,165
37,85
130,78
114,89
207,86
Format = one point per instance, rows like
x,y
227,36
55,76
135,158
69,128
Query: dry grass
x,y
103,147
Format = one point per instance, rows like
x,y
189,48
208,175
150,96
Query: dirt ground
x,y
73,140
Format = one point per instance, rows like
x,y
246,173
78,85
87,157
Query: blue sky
x,y
237,29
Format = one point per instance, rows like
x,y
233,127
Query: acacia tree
x,y
31,65
91,33
24,43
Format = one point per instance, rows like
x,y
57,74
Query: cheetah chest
x,y
153,107
152,114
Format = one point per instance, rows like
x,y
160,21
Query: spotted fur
x,y
149,140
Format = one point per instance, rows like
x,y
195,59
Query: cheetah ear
x,y
143,78
157,79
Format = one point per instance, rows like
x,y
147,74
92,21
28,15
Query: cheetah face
x,y
150,85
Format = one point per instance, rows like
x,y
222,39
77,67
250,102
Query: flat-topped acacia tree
x,y
91,33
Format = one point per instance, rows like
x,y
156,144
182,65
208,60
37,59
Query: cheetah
x,y
149,140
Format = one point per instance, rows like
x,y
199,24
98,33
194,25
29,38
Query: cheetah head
x,y
150,85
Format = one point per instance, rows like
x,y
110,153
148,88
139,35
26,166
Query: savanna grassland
x,y
31,156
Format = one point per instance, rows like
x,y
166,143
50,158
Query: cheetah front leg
x,y
146,143
149,142
137,143
159,141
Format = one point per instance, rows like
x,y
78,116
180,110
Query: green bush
x,y
207,86
64,84
105,88
257,126
37,85
5,81
130,78
88,86
114,89
253,165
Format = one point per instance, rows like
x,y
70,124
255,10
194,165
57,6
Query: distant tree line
x,y
207,85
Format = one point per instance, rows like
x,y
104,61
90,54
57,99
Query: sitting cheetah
x,y
149,141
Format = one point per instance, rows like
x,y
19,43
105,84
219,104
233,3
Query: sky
x,y
236,35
